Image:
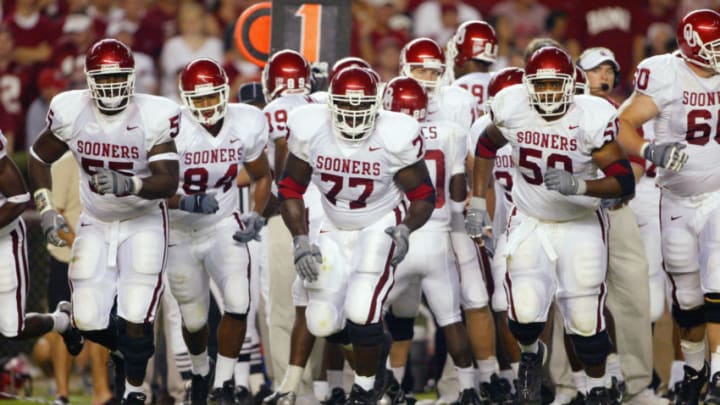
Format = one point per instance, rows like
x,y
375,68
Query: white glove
x,y
51,223
253,223
400,235
667,155
564,182
199,203
307,258
477,218
108,181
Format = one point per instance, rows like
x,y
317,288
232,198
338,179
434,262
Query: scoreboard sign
x,y
318,29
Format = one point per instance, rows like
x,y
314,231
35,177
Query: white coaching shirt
x,y
356,180
566,143
689,112
119,142
209,164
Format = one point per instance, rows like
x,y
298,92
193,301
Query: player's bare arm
x,y
415,181
291,187
12,186
633,113
489,142
619,180
163,181
46,150
281,152
259,172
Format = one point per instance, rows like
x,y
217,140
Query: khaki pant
x,y
628,300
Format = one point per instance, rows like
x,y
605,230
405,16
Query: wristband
x,y
643,149
478,203
582,187
137,184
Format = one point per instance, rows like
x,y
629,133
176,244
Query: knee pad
x,y
339,338
237,317
366,335
688,318
712,307
321,318
194,316
136,351
526,333
236,293
400,328
106,337
592,350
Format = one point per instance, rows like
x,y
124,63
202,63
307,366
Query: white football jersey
x,y
452,104
477,84
277,112
209,164
566,143
355,179
445,153
119,142
689,113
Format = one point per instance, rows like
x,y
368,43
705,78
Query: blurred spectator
x,y
51,82
660,39
100,11
387,58
556,26
69,54
526,17
379,28
438,19
193,42
146,78
614,24
239,70
13,82
506,42
251,93
686,6
654,12
222,20
156,27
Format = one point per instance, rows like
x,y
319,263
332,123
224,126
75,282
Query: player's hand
x,y
253,223
477,218
107,181
667,155
52,224
199,203
564,182
400,235
307,258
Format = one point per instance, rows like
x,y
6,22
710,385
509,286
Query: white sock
x,y
595,382
531,348
200,363
676,373
131,388
580,379
335,379
515,366
508,374
61,321
398,373
613,368
224,368
694,353
366,383
242,374
466,377
293,376
321,390
714,362
486,368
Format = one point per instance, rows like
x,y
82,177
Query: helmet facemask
x,y
112,95
710,53
556,95
430,86
207,115
349,117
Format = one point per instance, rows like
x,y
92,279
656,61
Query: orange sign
x,y
252,33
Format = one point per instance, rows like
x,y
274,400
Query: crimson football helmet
x,y
546,67
110,57
354,102
348,62
286,71
501,79
473,40
405,95
698,37
581,82
201,78
423,53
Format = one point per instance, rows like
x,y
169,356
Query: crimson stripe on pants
x,y
384,277
19,274
158,285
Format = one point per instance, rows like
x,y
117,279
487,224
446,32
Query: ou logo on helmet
x,y
690,36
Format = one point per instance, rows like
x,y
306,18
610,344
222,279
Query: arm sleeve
x,y
260,137
654,77
409,152
459,149
165,127
298,144
56,121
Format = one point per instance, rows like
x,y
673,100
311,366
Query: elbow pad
x,y
622,171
